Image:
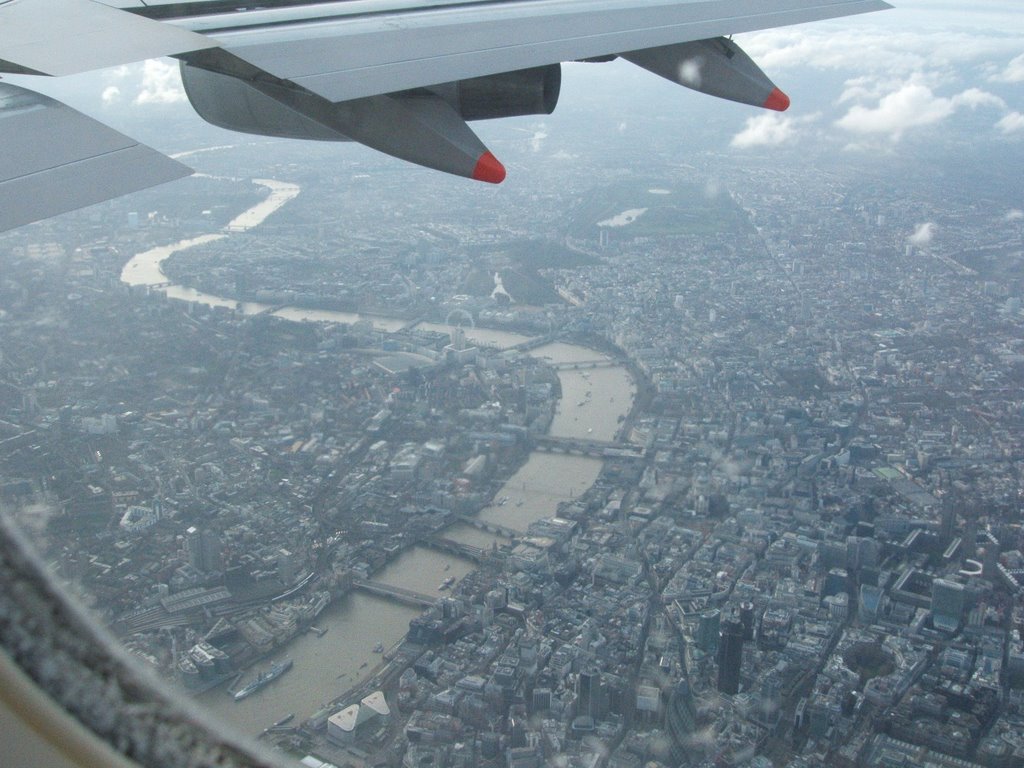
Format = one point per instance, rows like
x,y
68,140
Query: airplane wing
x,y
402,76
63,37
54,159
350,51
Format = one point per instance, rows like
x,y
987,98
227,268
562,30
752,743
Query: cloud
x,y
1014,214
910,106
1011,123
161,84
775,50
538,138
861,89
888,60
768,130
975,97
923,235
111,94
876,48
1013,73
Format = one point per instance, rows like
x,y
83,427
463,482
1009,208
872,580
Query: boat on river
x,y
263,680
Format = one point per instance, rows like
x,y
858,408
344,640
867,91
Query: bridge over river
x,y
580,446
457,548
491,527
407,596
587,365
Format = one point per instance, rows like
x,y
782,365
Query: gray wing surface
x,y
55,159
62,37
350,53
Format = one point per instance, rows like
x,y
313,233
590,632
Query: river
x,y
594,402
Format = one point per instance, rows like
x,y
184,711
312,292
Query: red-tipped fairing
x,y
777,100
489,169
717,67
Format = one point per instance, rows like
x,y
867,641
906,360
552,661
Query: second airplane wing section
x,y
54,159
355,53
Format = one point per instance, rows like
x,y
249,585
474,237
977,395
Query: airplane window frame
x,y
83,671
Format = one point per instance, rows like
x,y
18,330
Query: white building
x,y
344,726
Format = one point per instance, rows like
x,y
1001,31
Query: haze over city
x,y
697,441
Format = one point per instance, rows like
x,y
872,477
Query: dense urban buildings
x,y
716,464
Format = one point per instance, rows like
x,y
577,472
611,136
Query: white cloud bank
x,y
1011,123
161,84
875,49
909,68
769,130
912,105
1013,73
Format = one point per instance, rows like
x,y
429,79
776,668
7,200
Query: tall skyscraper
x,y
730,656
947,521
204,550
869,604
747,619
708,629
681,723
588,694
947,604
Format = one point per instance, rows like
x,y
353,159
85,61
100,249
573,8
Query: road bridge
x,y
412,324
593,451
537,341
495,528
457,548
271,309
407,596
581,446
587,365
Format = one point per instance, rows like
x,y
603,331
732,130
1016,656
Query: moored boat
x,y
263,679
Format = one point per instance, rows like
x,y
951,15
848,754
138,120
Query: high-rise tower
x,y
730,656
